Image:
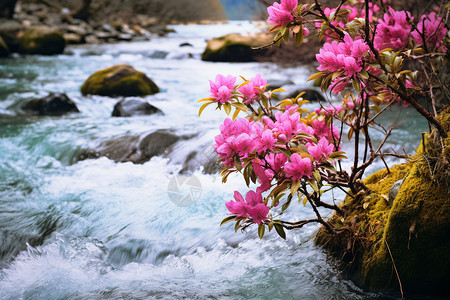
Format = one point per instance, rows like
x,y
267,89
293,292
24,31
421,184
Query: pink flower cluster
x,y
222,87
250,90
252,207
393,30
346,56
242,137
434,31
281,13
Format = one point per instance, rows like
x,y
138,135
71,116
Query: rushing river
x,y
96,229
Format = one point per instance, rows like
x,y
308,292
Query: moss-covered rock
x,y
411,237
41,40
119,80
234,47
4,50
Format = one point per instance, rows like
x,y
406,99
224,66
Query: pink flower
x,y
278,15
289,5
263,179
347,56
351,67
393,31
298,167
434,32
248,93
238,207
253,206
321,151
221,88
259,82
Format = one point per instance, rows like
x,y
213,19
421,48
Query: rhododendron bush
x,y
372,57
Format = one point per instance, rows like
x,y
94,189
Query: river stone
x,y
73,38
134,107
41,40
137,149
4,50
234,47
394,191
119,80
278,83
55,104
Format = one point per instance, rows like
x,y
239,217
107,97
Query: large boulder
x,y
407,241
234,47
119,80
4,50
41,40
55,104
134,107
134,148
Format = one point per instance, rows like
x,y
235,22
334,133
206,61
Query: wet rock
x,y
276,84
134,107
55,104
73,38
394,191
119,80
186,45
234,48
41,40
136,149
4,50
311,93
125,37
77,29
91,39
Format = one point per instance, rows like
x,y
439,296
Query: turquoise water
x,y
96,229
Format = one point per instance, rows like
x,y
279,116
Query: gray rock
x,y
134,107
393,191
55,104
278,83
137,149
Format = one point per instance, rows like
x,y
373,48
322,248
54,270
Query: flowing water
x,y
96,229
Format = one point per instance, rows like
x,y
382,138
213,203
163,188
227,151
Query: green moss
x,y
233,48
119,80
416,229
41,40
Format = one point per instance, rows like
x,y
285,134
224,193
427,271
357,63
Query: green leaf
x,y
283,150
227,107
237,226
241,106
317,175
203,107
299,37
295,186
280,230
313,184
305,200
338,155
316,75
261,230
227,220
286,205
270,225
